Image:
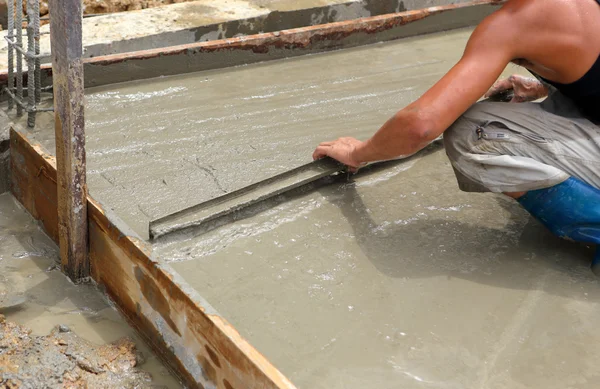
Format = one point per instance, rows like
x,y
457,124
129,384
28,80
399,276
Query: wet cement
x,y
156,147
35,294
399,280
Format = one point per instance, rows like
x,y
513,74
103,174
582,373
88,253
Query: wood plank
x,y
67,50
33,180
198,344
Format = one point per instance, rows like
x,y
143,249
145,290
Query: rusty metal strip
x,y
199,344
267,46
296,37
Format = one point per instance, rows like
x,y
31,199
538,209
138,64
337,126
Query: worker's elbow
x,y
421,129
422,132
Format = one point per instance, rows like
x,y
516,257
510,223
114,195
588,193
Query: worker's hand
x,y
524,88
342,150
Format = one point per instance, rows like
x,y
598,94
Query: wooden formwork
x,y
198,344
202,347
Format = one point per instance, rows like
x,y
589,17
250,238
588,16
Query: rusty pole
x,y
67,72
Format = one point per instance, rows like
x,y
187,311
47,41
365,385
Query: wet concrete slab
x,y
399,280
36,295
394,280
156,147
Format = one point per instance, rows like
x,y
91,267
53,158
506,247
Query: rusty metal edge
x,y
291,39
196,342
295,37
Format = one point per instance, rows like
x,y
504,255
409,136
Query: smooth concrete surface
x,y
159,146
34,293
204,20
399,280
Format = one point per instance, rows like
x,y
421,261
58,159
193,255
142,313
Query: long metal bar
x,y
36,37
31,63
19,43
67,68
10,35
200,214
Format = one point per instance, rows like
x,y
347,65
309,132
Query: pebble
x,y
63,328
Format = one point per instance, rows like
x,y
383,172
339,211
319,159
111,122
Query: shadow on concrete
x,y
500,257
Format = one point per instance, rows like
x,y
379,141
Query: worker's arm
x,y
491,47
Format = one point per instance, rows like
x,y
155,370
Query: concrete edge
x,y
204,20
245,50
273,20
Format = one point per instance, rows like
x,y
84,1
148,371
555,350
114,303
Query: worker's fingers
x,y
516,99
499,86
321,151
326,144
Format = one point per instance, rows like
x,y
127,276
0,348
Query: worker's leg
x,y
545,155
570,210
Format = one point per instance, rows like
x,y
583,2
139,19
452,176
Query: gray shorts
x,y
517,147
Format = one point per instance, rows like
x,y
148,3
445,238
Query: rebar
x,y
32,55
36,37
31,94
19,42
21,50
23,104
10,35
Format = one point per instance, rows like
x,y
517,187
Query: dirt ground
x,y
91,7
63,359
110,6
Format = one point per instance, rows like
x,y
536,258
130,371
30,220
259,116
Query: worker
x,y
546,155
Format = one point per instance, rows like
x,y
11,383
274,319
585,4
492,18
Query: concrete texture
x,y
396,280
157,147
40,297
399,280
205,20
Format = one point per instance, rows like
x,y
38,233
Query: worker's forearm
x,y
403,134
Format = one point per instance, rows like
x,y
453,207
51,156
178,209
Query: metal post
x,y
11,36
67,72
19,29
